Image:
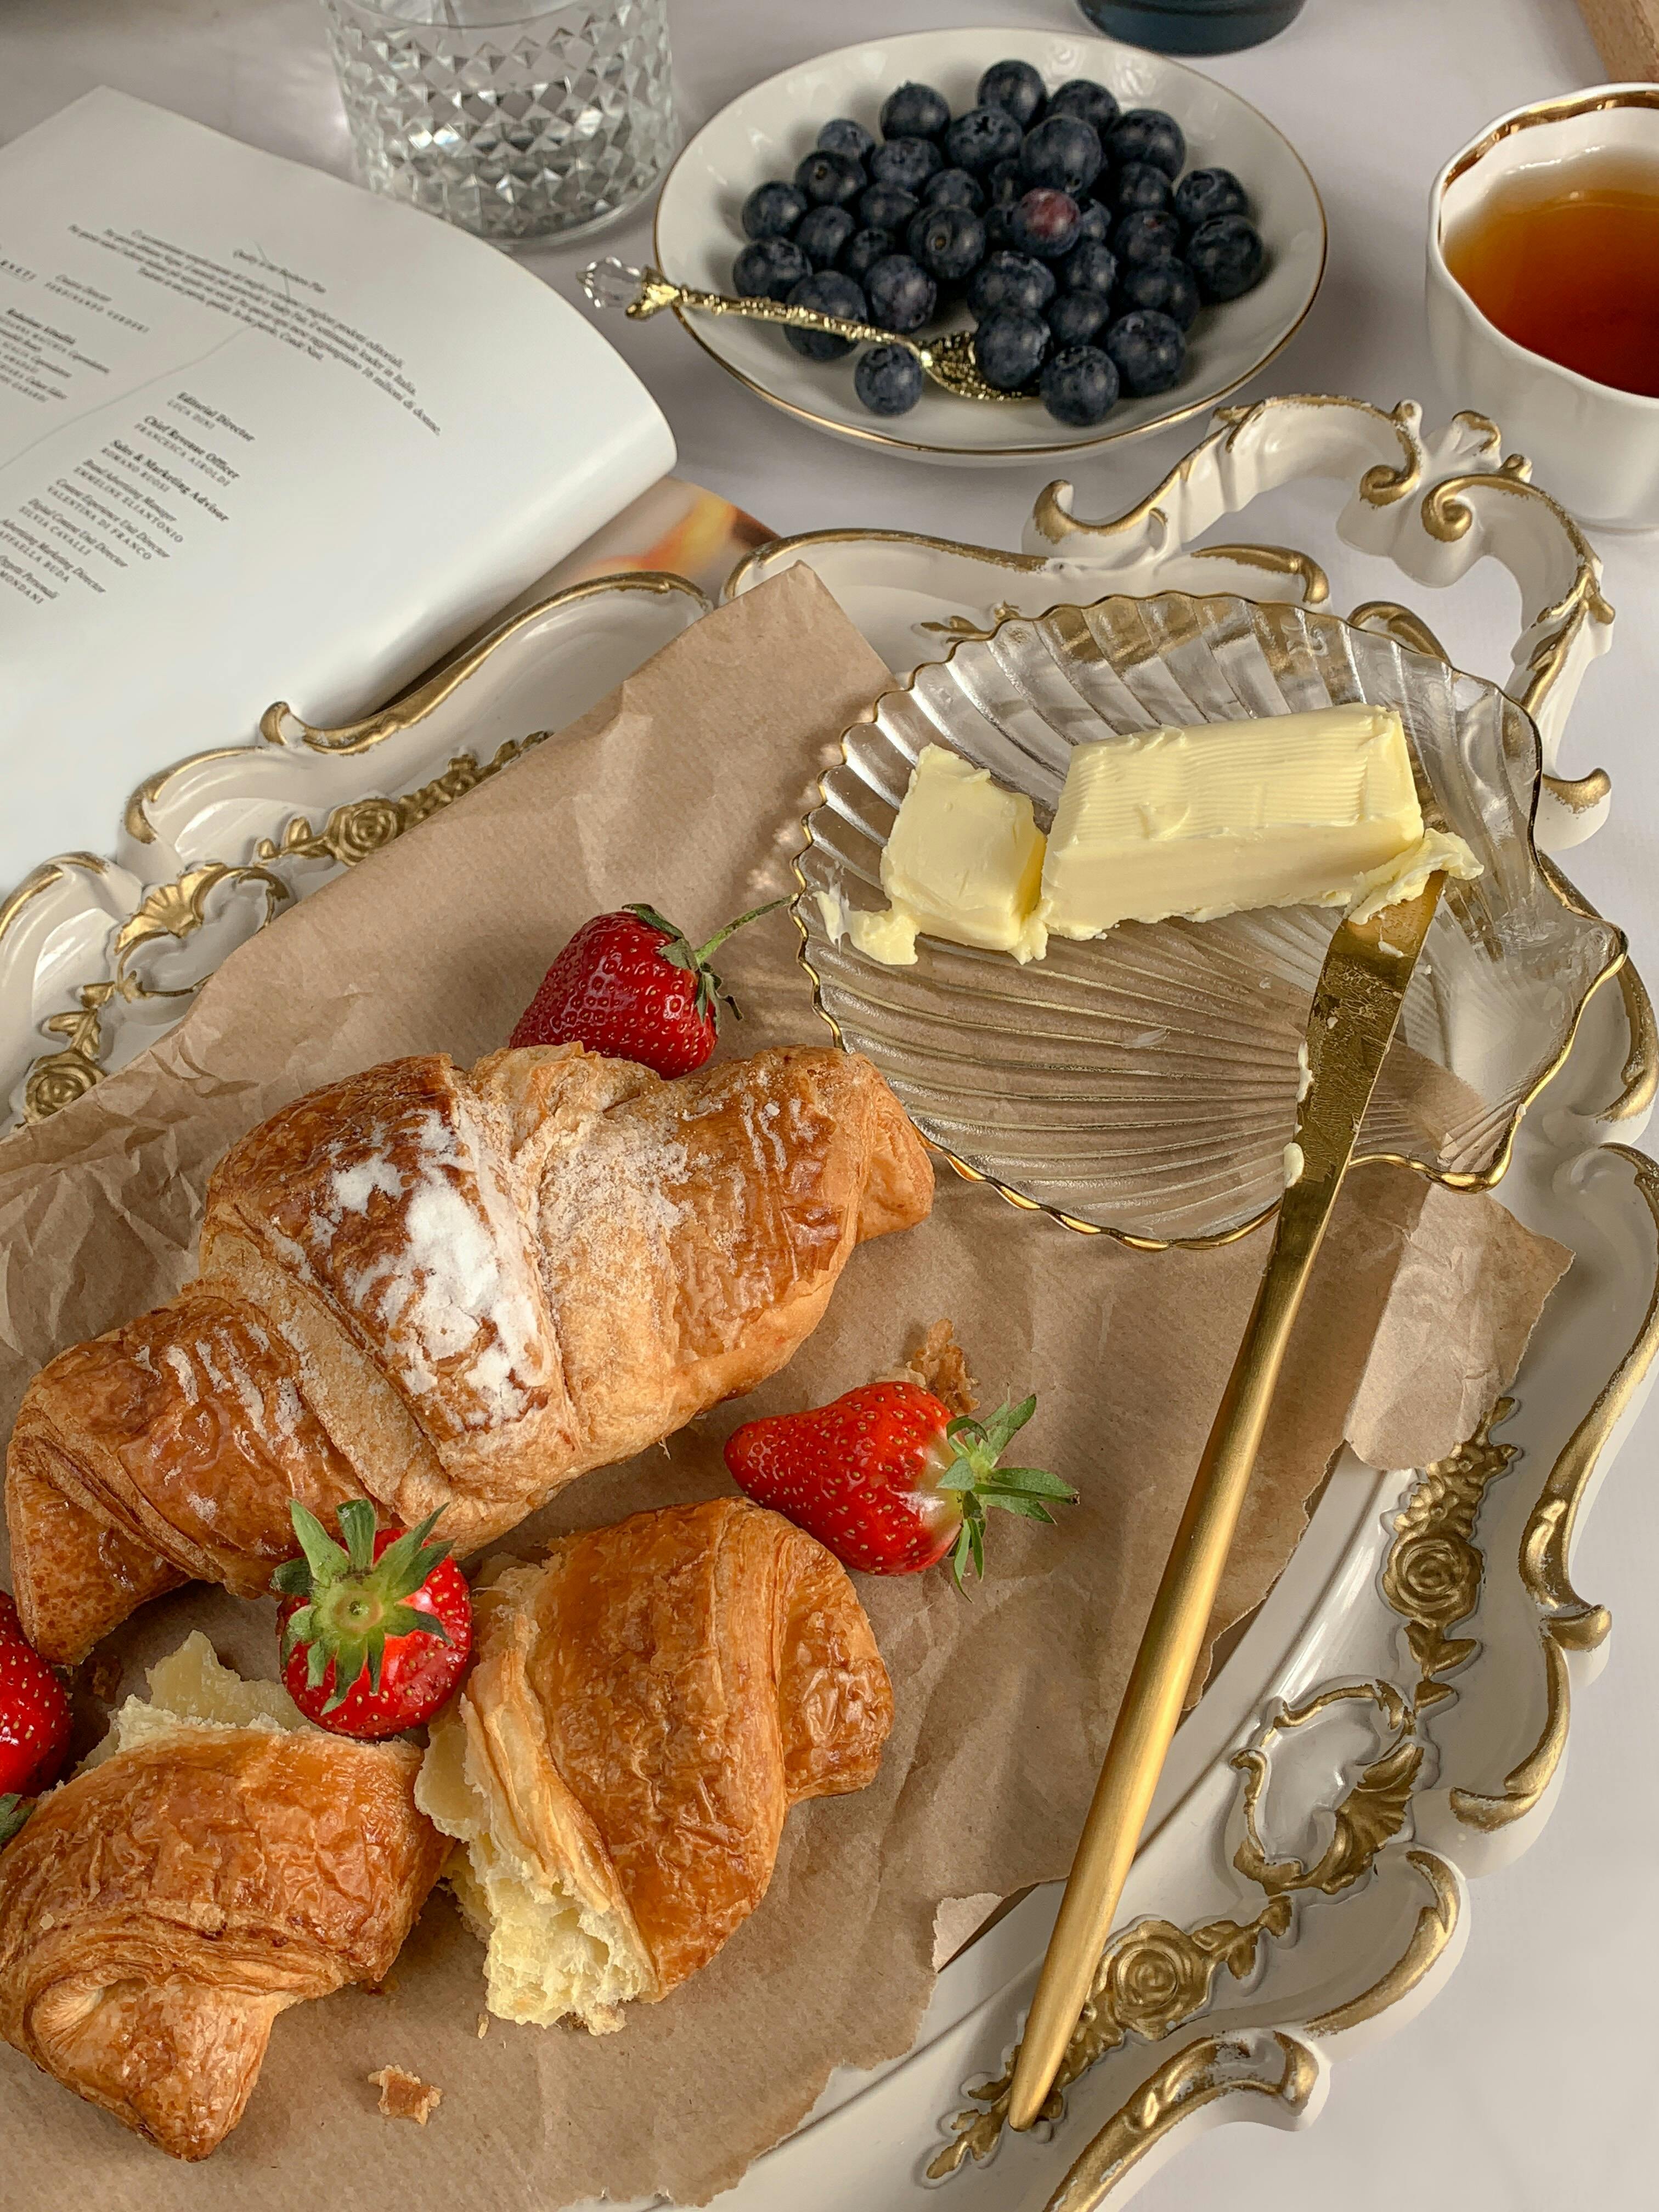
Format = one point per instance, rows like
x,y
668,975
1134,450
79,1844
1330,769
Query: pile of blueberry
x,y
1062,222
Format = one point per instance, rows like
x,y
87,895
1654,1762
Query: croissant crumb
x,y
405,2096
940,1365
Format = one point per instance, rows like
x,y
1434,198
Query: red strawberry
x,y
633,985
888,1481
9,1624
375,1636
34,1718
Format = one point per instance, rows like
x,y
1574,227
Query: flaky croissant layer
x,y
647,1705
448,1290
160,1910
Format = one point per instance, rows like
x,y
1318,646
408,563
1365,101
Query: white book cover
x,y
263,434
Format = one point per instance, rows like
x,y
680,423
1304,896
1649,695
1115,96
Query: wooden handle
x,y
1627,34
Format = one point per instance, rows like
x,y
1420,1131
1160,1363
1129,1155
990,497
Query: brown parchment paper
x,y
687,788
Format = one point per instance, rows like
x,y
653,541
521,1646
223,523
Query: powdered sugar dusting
x,y
621,1161
452,1291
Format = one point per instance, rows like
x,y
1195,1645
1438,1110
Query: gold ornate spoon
x,y
642,293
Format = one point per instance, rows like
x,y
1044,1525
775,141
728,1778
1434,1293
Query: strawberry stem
x,y
742,922
680,952
354,1601
975,1475
14,1811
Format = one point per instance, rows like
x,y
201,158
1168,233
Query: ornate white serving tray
x,y
1392,1725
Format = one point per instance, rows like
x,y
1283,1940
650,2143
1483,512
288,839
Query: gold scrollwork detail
x,y
1156,1977
1432,1575
1251,2061
1151,1980
1370,1815
1567,1622
57,1079
363,826
176,909
956,626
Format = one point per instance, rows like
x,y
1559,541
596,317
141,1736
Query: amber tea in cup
x,y
1564,260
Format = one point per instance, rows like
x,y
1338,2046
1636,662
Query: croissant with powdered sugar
x,y
454,1291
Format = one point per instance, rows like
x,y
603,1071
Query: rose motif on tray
x,y
355,831
1155,1980
1437,1579
56,1083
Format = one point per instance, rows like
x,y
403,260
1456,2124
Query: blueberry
x,y
1009,347
1090,102
1062,153
1096,226
1086,268
1004,183
884,207
1206,193
772,211
915,111
953,188
1076,318
1167,284
901,295
1014,87
1146,235
831,179
1011,280
1139,188
830,294
822,233
862,250
1147,134
843,136
1079,385
1045,223
1147,350
769,269
888,380
1226,255
950,241
905,162
982,138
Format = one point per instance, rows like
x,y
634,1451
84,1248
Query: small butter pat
x,y
1294,1164
1288,809
964,861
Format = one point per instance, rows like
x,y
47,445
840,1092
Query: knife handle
x,y
1169,1653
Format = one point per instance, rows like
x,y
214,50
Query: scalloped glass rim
x,y
1143,1085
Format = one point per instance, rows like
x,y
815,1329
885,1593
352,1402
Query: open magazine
x,y
262,434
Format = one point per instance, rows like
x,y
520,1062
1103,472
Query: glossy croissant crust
x,y
158,1912
645,1708
439,1289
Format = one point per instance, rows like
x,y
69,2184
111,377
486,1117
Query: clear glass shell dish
x,y
1145,1084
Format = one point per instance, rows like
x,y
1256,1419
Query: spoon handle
x,y
607,284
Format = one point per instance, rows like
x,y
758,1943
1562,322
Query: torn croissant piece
x,y
645,1708
454,1291
215,1862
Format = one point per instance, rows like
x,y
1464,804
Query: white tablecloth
x,y
1530,2083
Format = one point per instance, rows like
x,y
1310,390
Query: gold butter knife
x,y
1355,1010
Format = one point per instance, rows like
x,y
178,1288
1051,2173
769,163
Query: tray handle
x,y
1434,504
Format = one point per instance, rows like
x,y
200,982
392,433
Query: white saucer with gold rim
x,y
765,131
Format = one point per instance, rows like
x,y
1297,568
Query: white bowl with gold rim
x,y
765,131
1597,446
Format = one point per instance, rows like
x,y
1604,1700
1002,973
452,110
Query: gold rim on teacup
x,y
1596,444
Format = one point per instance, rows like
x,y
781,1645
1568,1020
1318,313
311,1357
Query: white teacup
x,y
1595,447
